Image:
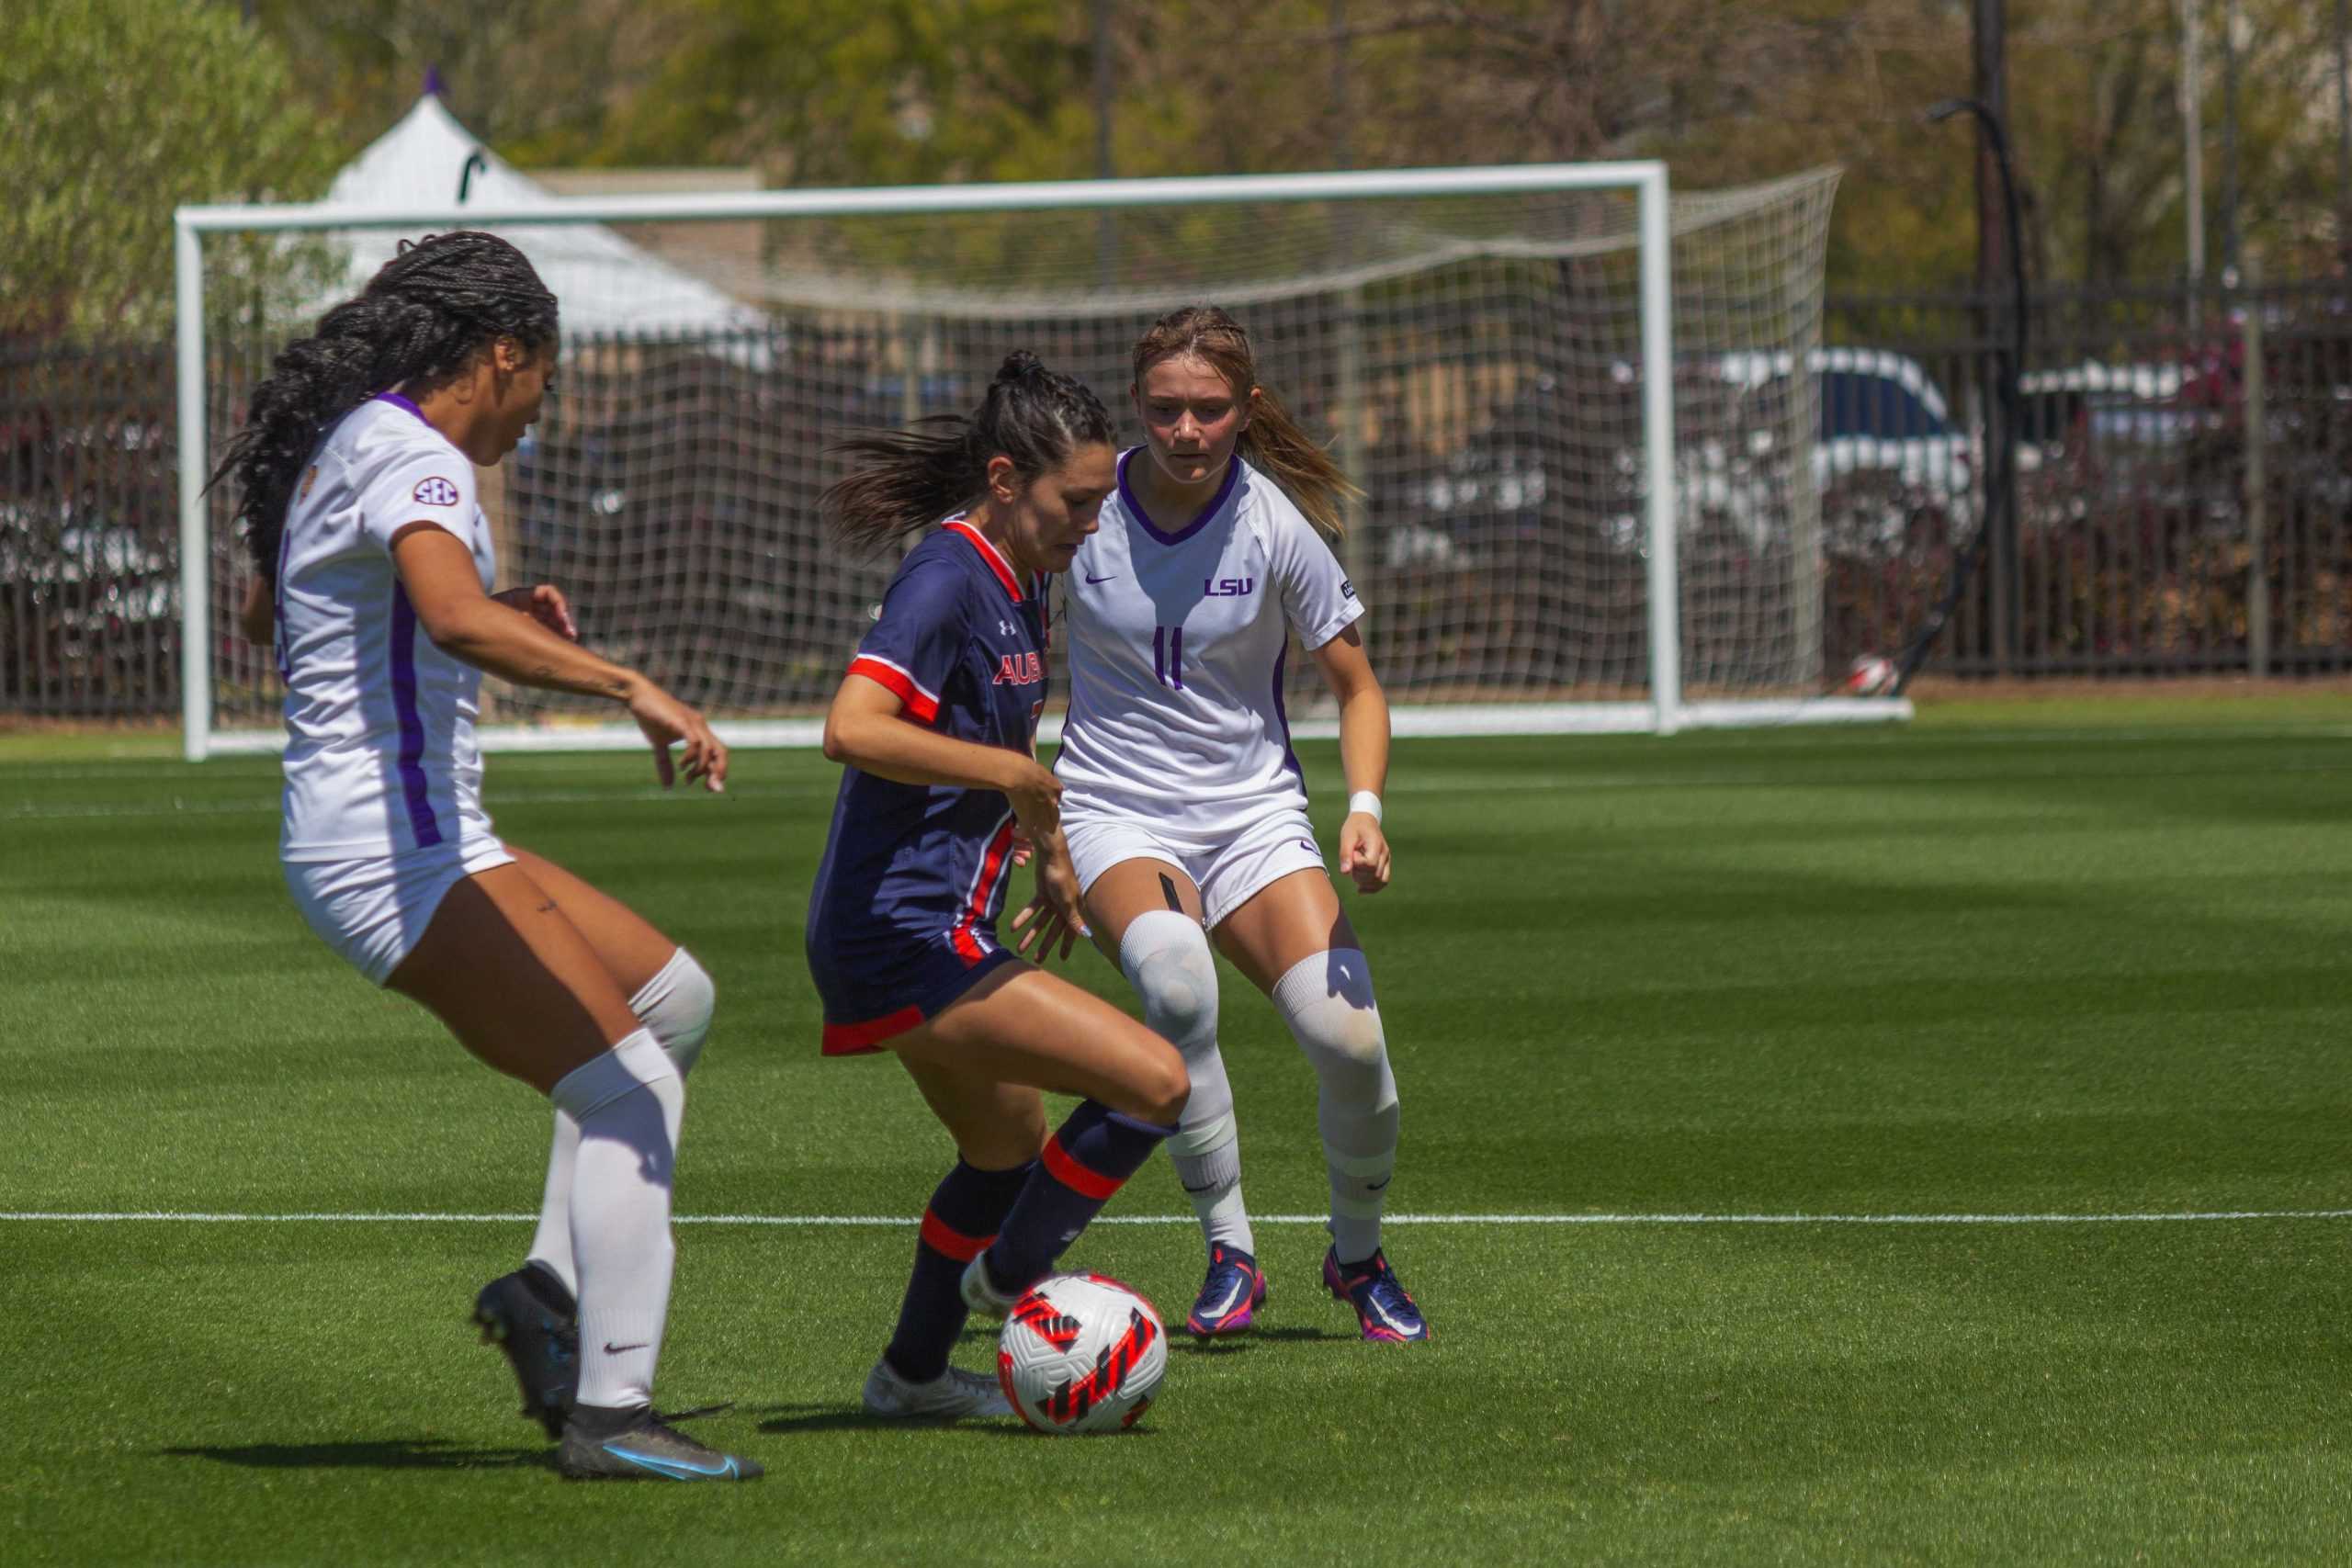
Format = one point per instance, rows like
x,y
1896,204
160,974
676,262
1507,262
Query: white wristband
x,y
1364,801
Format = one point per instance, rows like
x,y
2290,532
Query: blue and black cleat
x,y
532,1318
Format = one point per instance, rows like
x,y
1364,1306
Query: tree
x,y
112,112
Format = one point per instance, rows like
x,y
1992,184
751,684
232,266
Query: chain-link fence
x,y
2153,535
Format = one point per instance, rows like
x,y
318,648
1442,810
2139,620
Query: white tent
x,y
606,284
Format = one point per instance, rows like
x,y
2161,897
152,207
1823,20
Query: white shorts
x,y
1228,870
374,911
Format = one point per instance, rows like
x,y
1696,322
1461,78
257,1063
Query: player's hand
x,y
1053,913
546,604
668,722
1037,798
1023,846
1363,853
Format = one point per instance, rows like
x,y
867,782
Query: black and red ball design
x,y
1081,1353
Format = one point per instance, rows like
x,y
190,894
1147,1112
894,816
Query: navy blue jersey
x,y
914,875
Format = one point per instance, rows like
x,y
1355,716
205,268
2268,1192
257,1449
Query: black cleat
x,y
532,1318
644,1447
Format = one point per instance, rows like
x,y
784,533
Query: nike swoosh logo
x,y
613,1349
675,1468
1379,1185
1190,1188
1101,578
1230,1297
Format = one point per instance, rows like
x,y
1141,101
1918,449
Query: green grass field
x,y
2032,973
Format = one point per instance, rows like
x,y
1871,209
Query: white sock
x,y
1327,1002
1166,957
677,1006
629,1103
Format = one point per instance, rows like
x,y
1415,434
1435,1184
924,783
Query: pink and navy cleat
x,y
1232,1293
1381,1306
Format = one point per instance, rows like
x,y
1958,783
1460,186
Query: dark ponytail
x,y
936,466
420,320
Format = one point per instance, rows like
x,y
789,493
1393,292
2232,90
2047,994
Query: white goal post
x,y
1640,694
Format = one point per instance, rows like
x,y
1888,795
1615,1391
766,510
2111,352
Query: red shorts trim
x,y
943,1238
852,1038
1077,1177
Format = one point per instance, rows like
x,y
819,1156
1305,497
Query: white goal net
x,y
1478,356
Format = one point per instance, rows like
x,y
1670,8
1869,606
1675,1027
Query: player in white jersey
x,y
355,477
1185,808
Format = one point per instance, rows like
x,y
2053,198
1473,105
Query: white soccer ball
x,y
1872,675
1081,1353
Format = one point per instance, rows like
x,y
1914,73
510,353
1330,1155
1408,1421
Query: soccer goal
x,y
1576,403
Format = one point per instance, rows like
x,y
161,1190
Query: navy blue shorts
x,y
876,988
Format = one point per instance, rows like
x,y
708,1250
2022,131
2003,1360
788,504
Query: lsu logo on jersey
x,y
1226,587
1019,670
437,492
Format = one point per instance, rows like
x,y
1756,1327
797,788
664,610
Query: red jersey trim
x,y
923,705
991,554
962,938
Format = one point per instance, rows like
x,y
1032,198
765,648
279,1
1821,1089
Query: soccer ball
x,y
1870,676
1081,1353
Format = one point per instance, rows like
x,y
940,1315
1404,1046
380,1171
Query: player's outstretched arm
x,y
1363,756
443,585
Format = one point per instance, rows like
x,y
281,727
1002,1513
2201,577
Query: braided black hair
x,y
420,321
914,477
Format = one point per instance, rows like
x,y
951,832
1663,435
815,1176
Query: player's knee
x,y
676,1005
1327,1001
1166,957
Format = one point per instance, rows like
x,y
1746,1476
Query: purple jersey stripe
x,y
1281,717
413,782
400,402
1135,507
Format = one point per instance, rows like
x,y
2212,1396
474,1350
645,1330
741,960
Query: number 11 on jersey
x,y
1168,655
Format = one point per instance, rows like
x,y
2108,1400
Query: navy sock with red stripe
x,y
1086,1160
965,1215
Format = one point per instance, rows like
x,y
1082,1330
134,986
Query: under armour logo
x,y
437,492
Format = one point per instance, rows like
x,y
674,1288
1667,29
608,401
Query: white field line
x,y
901,1222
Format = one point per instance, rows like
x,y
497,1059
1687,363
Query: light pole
x,y
2001,426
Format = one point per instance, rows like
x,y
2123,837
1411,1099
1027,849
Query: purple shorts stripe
x,y
414,787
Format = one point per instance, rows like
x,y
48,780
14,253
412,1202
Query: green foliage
x,y
113,112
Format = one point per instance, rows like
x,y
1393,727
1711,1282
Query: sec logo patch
x,y
437,492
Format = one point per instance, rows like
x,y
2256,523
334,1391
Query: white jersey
x,y
1177,645
379,724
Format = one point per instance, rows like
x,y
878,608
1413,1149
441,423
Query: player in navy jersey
x,y
1186,807
936,721
356,474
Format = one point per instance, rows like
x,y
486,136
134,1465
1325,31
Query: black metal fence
x,y
89,531
2185,476
2185,469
